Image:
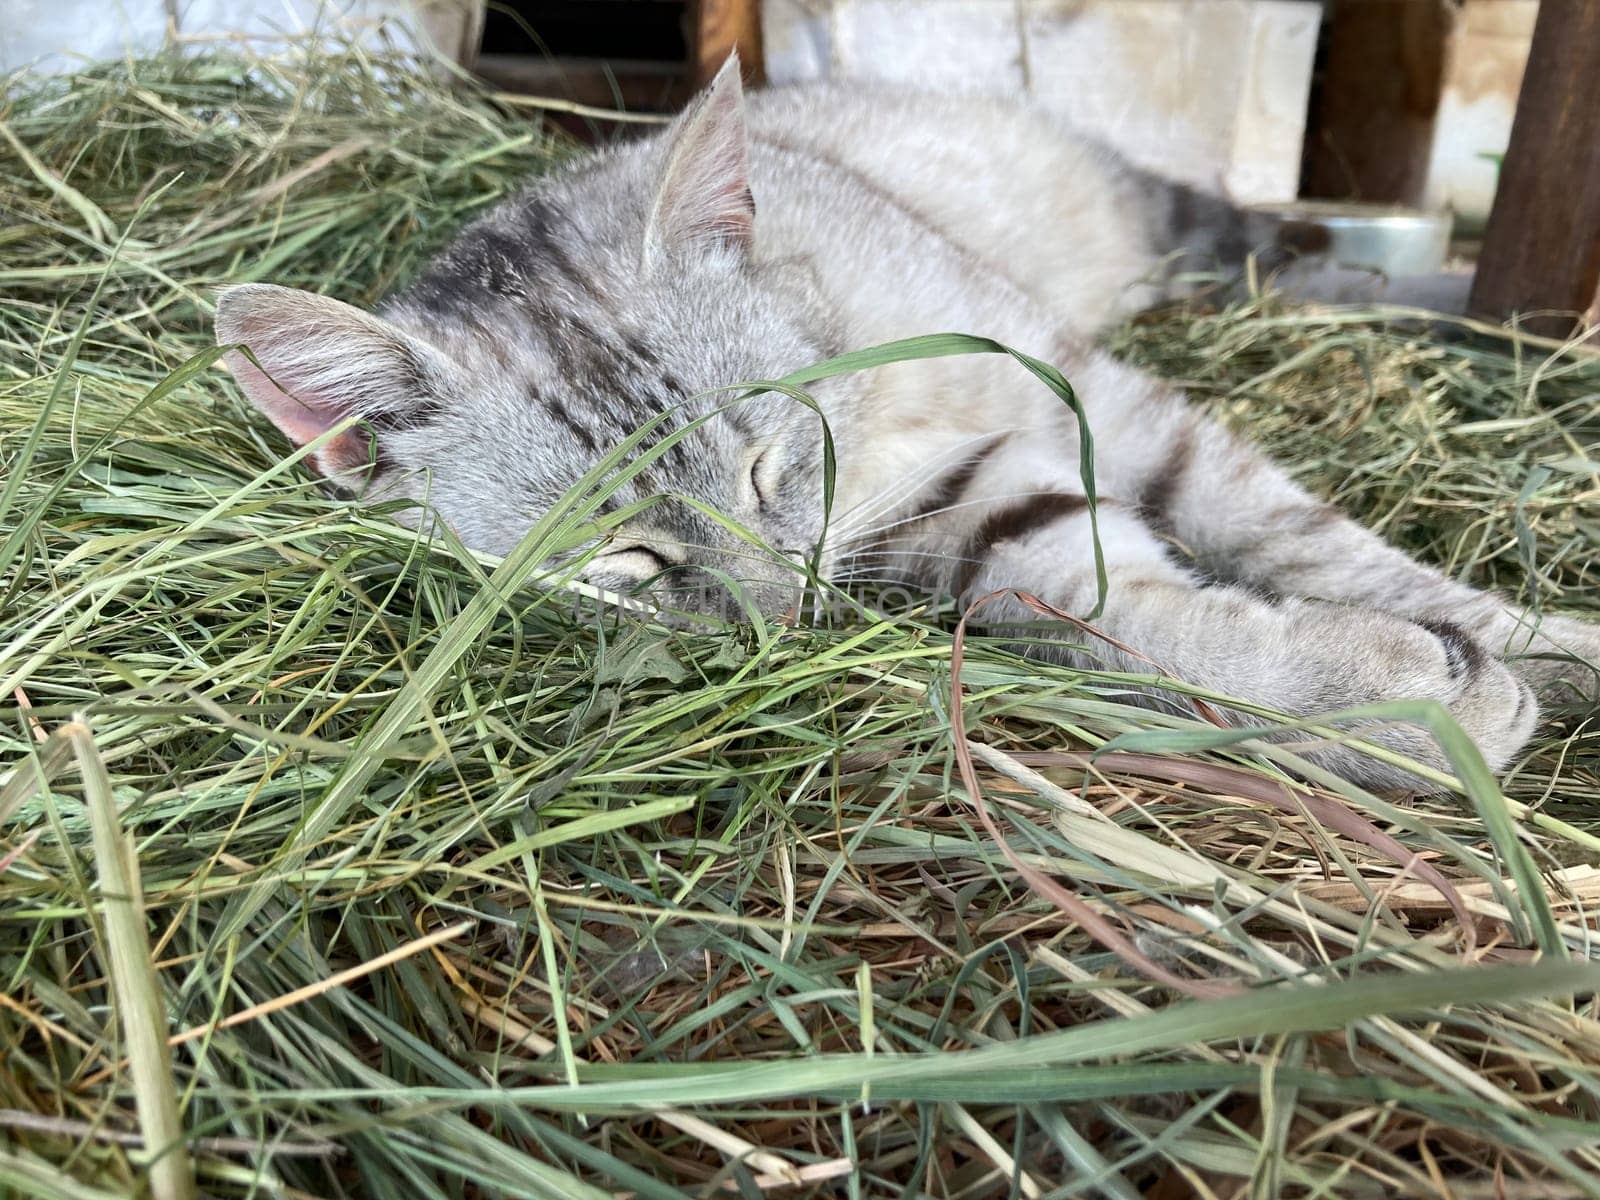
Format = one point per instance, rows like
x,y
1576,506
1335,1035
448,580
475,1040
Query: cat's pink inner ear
x,y
316,363
705,198
302,421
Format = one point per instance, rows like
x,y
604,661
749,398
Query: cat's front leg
x,y
1301,657
1243,519
1559,656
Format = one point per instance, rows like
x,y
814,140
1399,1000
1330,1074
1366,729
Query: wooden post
x,y
1373,124
718,28
1542,247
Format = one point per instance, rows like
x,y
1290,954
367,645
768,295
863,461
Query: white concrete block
x,y
960,44
1484,61
59,34
1213,92
974,45
796,40
1209,91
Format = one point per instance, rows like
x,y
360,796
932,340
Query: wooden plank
x,y
634,85
718,27
1377,95
1542,248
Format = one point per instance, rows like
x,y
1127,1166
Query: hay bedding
x,y
446,892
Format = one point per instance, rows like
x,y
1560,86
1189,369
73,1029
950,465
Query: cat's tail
x,y
1202,231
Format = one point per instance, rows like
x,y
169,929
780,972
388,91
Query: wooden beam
x,y
718,28
634,85
1378,94
1542,248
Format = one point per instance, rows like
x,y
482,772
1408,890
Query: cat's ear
x,y
703,200
322,362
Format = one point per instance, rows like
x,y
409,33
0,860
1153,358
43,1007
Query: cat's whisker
x,y
898,491
878,578
928,555
754,554
888,498
860,529
879,530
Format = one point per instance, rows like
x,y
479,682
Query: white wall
x,y
56,34
1484,62
1209,91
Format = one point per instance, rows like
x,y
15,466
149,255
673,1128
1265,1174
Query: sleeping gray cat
x,y
743,244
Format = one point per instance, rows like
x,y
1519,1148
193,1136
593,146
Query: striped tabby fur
x,y
743,243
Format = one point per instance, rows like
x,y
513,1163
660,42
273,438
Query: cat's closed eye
x,y
636,561
764,474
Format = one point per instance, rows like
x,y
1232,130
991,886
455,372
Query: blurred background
x,y
1400,101
1404,104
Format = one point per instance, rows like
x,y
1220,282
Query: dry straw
x,y
446,892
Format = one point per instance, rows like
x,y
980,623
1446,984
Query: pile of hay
x,y
447,891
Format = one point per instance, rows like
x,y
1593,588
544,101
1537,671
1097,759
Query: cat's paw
x,y
1561,660
1433,660
1494,707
